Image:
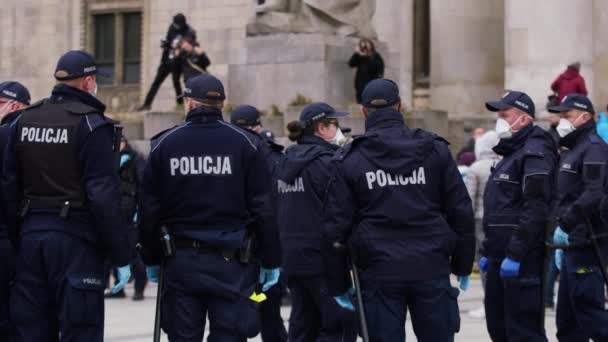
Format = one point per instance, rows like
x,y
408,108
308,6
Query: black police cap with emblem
x,y
513,99
15,91
574,101
76,64
204,87
380,93
246,116
318,111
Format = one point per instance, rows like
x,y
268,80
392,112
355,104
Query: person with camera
x,y
369,64
168,64
192,58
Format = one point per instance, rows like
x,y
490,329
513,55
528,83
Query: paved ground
x,y
133,321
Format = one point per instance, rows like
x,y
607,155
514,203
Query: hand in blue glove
x,y
560,237
559,257
269,278
509,268
124,274
153,273
345,300
464,282
483,264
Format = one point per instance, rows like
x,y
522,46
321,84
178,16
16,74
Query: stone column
x,y
600,56
467,55
541,38
393,22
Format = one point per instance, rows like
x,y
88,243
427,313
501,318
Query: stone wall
x,y
33,35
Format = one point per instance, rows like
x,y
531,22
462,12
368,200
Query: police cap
x,y
380,93
205,87
15,91
246,116
513,99
318,111
574,101
76,64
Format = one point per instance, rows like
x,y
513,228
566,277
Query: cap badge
x,y
379,102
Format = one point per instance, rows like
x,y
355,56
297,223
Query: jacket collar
x,y
572,139
517,141
65,93
383,118
204,114
315,140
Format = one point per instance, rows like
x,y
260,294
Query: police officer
x,y
209,184
303,176
14,97
62,198
249,119
517,204
581,182
397,199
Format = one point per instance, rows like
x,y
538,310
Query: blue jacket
x,y
101,221
5,130
208,181
519,195
581,182
302,180
397,198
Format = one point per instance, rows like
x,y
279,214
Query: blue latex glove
x,y
153,273
345,300
124,274
464,282
269,278
509,268
559,257
560,236
483,264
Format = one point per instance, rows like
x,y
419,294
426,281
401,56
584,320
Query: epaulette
x,y
79,108
160,134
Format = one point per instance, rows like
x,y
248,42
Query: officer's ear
x,y
364,112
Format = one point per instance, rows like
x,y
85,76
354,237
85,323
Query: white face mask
x,y
94,91
338,139
566,127
504,130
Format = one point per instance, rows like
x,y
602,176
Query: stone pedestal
x,y
279,66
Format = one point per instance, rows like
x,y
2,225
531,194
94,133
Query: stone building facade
x,y
447,55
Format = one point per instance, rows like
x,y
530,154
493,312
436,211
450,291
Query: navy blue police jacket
x,y
302,180
271,151
206,180
397,199
581,183
5,129
519,195
101,221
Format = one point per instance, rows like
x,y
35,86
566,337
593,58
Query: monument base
x,y
279,66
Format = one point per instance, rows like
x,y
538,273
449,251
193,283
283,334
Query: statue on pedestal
x,y
341,17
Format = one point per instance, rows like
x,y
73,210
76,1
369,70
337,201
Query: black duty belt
x,y
63,206
201,247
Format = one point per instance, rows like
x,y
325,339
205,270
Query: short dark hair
x,y
218,104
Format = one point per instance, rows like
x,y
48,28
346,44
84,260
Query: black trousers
x,y
164,69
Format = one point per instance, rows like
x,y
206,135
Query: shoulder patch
x,y
79,108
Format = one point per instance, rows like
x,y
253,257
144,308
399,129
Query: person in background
x,y
369,64
470,145
570,81
178,29
464,162
554,121
602,126
476,181
131,173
